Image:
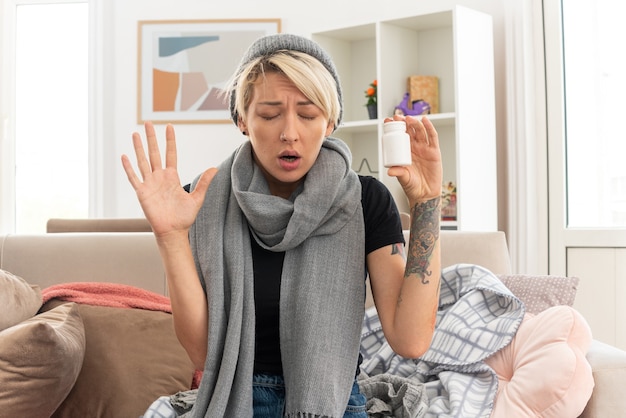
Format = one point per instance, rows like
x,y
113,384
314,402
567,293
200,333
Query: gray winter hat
x,y
269,44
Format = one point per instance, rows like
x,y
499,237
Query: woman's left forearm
x,y
416,309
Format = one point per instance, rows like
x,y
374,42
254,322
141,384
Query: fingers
x,y
402,173
170,147
151,162
423,176
140,155
130,173
431,132
203,182
423,131
153,147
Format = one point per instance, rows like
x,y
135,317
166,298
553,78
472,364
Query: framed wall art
x,y
184,65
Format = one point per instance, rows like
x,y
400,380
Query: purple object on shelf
x,y
417,107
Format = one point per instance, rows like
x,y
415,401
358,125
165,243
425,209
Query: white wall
x,y
205,145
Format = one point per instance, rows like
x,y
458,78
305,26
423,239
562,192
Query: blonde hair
x,y
303,70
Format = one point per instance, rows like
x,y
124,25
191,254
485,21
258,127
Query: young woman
x,y
266,255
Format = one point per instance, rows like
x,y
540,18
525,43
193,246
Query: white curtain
x,y
526,137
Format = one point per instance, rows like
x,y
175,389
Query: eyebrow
x,y
278,103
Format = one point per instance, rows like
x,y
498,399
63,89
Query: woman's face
x,y
286,131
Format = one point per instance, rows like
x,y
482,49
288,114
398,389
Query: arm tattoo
x,y
398,249
424,234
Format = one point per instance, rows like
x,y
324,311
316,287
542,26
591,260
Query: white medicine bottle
x,y
396,144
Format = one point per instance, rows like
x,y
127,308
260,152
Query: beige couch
x,y
133,259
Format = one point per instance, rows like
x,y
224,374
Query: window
x,y
51,113
595,107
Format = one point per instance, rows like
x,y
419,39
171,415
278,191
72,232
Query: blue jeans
x,y
268,393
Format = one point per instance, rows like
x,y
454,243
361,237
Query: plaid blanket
x,y
477,316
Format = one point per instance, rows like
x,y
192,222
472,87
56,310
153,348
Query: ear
x,y
242,126
330,128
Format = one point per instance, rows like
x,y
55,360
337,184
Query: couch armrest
x,y
608,364
487,249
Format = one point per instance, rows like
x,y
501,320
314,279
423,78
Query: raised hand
x,y
422,180
166,205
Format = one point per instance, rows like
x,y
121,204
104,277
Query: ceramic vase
x,y
372,111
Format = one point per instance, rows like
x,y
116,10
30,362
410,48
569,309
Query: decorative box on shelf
x,y
425,87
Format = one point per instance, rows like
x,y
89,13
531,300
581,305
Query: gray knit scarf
x,y
321,231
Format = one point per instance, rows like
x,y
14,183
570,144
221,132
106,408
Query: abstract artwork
x,y
184,66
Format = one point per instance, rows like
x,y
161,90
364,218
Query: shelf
x,y
449,225
371,125
454,44
359,126
443,119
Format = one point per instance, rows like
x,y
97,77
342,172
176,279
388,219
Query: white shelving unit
x,y
454,44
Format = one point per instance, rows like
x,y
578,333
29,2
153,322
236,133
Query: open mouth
x,y
289,158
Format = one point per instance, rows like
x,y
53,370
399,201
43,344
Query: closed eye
x,y
271,117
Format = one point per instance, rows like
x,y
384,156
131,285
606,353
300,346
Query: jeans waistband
x,y
268,379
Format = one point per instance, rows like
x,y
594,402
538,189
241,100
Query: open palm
x,y
166,205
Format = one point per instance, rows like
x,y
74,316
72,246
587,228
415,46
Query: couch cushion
x,y
40,359
132,358
609,374
48,259
541,292
18,299
543,372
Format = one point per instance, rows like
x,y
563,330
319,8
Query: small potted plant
x,y
371,96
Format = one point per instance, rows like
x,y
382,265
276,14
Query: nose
x,y
290,131
285,138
